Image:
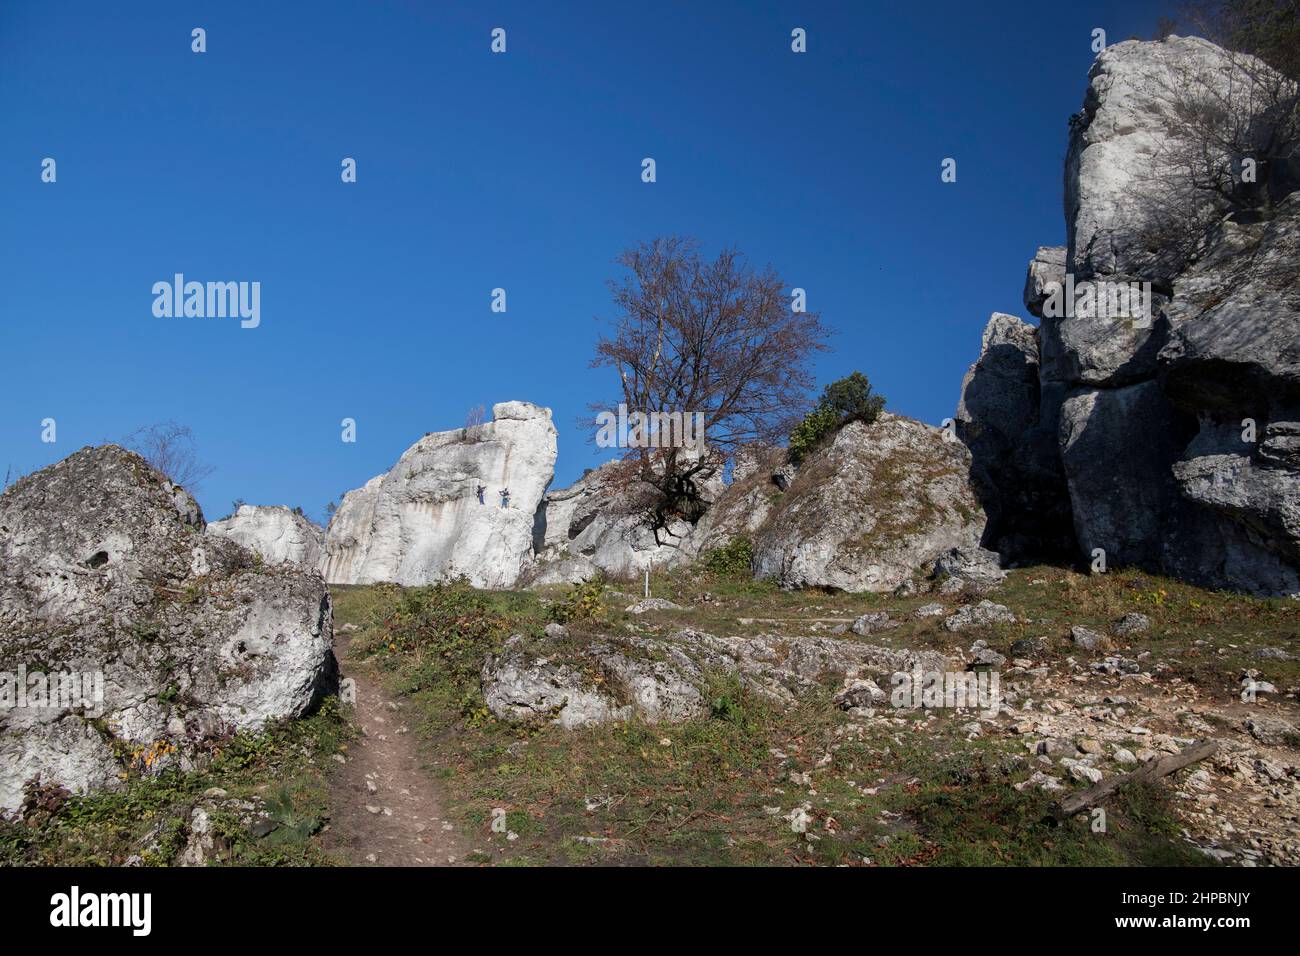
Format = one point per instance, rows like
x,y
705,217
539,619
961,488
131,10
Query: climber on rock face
x,y
505,497
478,490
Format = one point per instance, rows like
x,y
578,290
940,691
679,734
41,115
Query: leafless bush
x,y
1236,145
170,449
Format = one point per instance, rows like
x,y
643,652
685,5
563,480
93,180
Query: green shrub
x,y
846,400
450,622
816,425
730,559
584,602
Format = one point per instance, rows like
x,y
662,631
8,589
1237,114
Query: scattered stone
x,y
979,615
1272,731
1089,640
1131,624
977,570
653,604
871,622
1030,647
860,693
930,610
984,657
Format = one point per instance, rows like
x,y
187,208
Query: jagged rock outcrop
x,y
618,677
746,504
275,532
423,521
1015,467
105,572
1125,154
1176,428
870,508
599,526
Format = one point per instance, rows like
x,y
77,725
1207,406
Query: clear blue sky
x,y
476,171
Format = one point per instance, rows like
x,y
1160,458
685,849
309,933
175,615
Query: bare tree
x,y
715,339
169,448
475,416
1237,145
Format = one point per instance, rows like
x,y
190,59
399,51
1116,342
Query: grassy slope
x,y
716,790
709,791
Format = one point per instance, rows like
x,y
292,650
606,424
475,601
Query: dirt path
x,y
385,809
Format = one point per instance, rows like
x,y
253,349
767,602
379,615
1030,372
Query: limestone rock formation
x,y
275,532
1122,148
873,506
423,521
105,573
746,504
663,679
1177,432
1015,467
598,526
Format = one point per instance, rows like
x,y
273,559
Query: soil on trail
x,y
385,809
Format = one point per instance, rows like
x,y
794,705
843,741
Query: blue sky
x,y
478,171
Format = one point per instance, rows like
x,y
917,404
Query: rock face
x,y
870,508
662,680
1124,169
105,571
597,526
275,532
745,506
1015,467
1177,431
423,520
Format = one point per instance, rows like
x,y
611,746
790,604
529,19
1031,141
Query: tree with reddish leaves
x,y
717,339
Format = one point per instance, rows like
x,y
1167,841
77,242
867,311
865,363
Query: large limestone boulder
x,y
1118,448
659,680
1234,346
1122,166
870,508
105,573
1233,361
423,521
275,532
1176,434
1133,213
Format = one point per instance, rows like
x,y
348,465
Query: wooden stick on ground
x,y
1149,771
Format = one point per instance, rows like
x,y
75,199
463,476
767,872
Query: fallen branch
x,y
1151,770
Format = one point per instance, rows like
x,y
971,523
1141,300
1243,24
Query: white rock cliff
x,y
424,521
